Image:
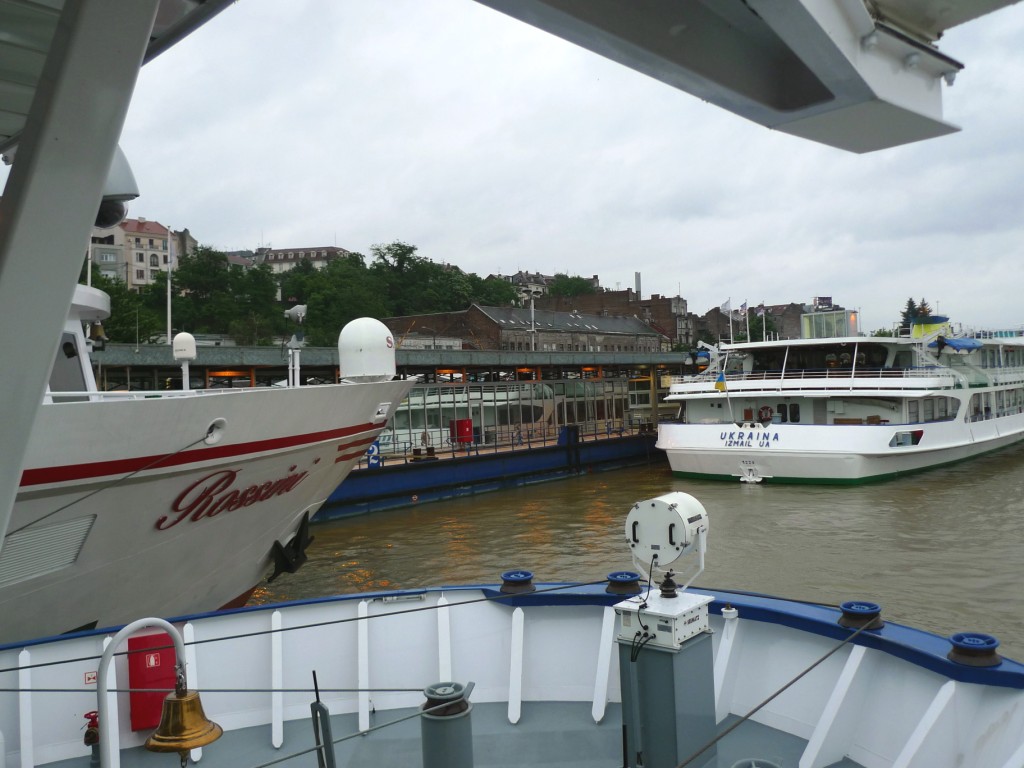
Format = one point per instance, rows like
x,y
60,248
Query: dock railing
x,y
504,439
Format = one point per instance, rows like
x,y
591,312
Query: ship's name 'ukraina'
x,y
215,493
750,439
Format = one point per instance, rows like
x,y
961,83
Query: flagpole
x,y
723,387
170,266
731,338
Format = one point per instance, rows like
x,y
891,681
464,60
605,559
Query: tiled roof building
x,y
285,259
512,328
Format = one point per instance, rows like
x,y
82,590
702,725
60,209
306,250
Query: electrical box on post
x,y
660,622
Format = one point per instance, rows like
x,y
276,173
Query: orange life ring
x,y
765,413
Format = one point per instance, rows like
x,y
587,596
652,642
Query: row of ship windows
x,y
990,405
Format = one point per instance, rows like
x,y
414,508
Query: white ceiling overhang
x,y
854,75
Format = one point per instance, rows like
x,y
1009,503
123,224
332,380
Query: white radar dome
x,y
366,351
661,530
183,346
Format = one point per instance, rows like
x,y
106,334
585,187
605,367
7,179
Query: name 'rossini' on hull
x,y
847,409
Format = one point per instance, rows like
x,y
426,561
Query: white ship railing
x,y
141,394
831,374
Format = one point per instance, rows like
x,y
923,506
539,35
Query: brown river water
x,y
942,550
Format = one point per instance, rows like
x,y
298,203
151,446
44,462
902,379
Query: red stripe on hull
x,y
347,456
71,472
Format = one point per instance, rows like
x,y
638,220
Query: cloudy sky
x,y
496,147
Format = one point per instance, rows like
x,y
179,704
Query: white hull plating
x,y
888,697
826,453
125,510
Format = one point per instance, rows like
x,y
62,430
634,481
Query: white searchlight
x,y
661,530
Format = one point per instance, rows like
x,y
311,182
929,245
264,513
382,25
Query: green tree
x,y
401,272
448,289
760,325
415,285
911,311
297,283
256,316
342,291
907,316
563,285
131,320
203,301
491,291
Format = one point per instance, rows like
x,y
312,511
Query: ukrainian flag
x,y
720,382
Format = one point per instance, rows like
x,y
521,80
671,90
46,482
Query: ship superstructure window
x,y
794,413
67,374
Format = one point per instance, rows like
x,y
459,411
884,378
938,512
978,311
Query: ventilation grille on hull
x,y
44,549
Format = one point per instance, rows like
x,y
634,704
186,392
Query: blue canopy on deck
x,y
957,345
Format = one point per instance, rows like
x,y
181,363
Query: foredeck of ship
x,y
548,734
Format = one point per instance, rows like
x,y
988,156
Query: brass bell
x,y
97,335
183,725
96,332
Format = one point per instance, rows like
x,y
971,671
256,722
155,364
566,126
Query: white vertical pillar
x,y
604,664
363,662
63,157
25,730
444,641
515,670
276,680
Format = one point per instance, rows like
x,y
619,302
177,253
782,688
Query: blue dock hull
x,y
400,483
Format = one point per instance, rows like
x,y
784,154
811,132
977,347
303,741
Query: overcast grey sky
x,y
496,147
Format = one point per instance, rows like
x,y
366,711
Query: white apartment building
x,y
133,252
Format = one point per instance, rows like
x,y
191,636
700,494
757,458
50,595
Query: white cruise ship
x,y
847,409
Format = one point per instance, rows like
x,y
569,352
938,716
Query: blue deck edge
x,y
921,648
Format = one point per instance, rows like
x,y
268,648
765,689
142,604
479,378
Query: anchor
x,y
288,558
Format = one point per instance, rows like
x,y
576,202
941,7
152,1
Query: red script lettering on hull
x,y
215,493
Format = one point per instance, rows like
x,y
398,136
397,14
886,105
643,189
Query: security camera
x,y
119,188
297,313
